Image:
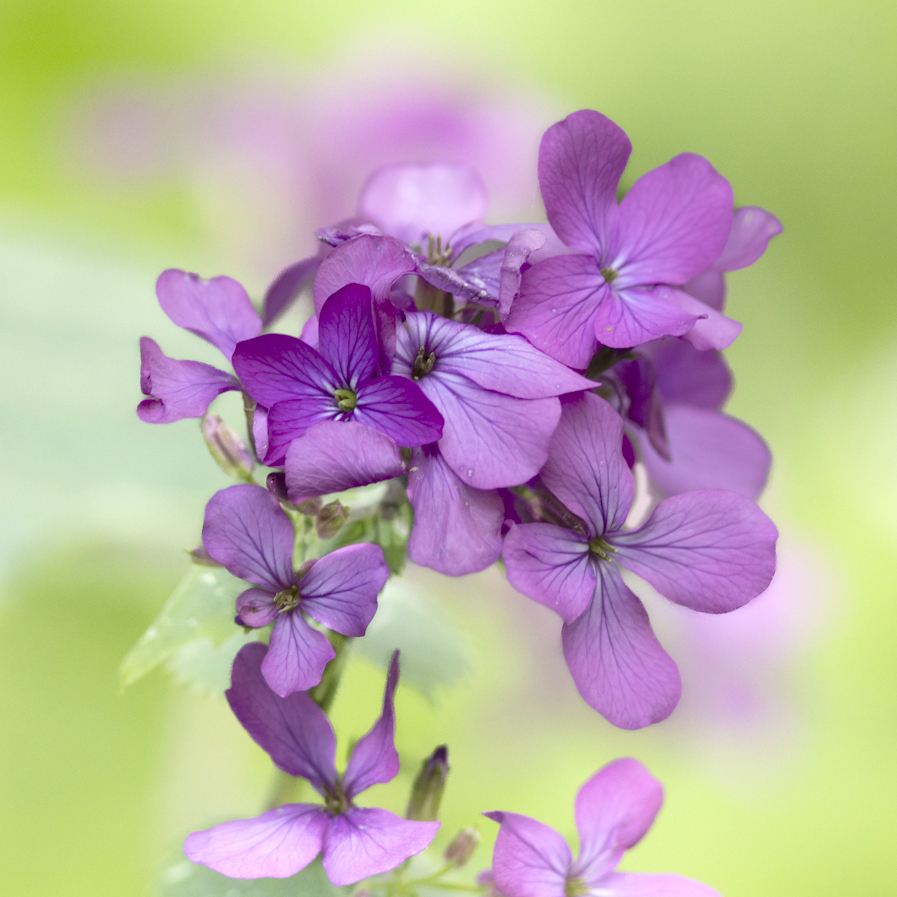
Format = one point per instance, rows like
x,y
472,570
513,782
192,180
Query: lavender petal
x,y
297,655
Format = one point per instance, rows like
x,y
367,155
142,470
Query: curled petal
x,y
712,329
177,389
276,844
752,229
516,254
287,286
256,608
368,841
297,655
710,550
217,310
619,667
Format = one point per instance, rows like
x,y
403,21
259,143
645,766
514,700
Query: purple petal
x,y
246,530
687,375
293,730
712,329
410,200
752,229
614,810
337,455
586,469
530,858
551,565
297,655
709,550
397,406
631,317
638,377
516,254
709,286
217,310
374,759
581,160
618,665
641,884
276,844
456,528
287,286
277,368
477,282
673,223
346,336
556,307
256,608
368,841
708,450
310,335
177,389
502,363
500,233
341,588
288,421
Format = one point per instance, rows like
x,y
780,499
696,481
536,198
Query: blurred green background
x,y
792,101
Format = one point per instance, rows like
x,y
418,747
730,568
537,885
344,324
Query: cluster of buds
x,y
503,396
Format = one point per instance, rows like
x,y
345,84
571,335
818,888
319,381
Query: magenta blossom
x,y
355,842
709,550
247,532
614,810
624,288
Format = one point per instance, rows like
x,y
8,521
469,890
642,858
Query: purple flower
x,y
340,380
355,842
247,532
709,550
614,810
624,290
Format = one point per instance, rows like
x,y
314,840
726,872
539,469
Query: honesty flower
x,y
624,291
709,550
247,532
614,810
355,842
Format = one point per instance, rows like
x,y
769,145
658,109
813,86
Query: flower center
x,y
609,274
423,364
287,600
437,254
335,800
600,548
575,887
346,400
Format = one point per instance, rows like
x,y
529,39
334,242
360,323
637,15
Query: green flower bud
x,y
461,847
426,793
226,448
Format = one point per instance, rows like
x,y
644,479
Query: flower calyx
x,y
601,549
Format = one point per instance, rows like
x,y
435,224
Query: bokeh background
x,y
215,137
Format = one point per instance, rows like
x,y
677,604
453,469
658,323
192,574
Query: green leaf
x,y
435,653
206,666
201,607
186,879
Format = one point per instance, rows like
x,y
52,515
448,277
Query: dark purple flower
x,y
247,532
496,392
709,550
624,290
355,842
614,810
341,380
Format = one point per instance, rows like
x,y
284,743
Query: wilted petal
x,y
631,317
515,255
712,329
710,550
346,336
287,286
256,607
708,450
555,310
337,455
551,565
530,858
752,229
177,389
641,884
368,841
293,730
689,376
276,844
614,810
456,528
340,590
297,655
586,469
409,200
374,759
673,222
618,665
581,160
246,530
217,310
397,406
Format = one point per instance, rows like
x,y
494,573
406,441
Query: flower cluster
x,y
503,382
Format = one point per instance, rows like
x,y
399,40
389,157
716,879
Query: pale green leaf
x,y
206,666
186,879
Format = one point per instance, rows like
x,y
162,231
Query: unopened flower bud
x,y
226,447
199,555
330,519
276,484
461,847
426,793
